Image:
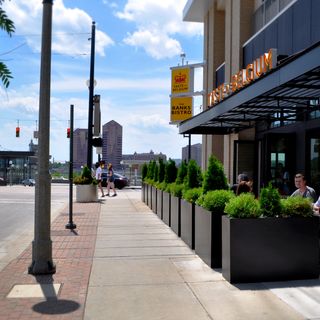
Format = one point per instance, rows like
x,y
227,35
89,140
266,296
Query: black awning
x,y
284,94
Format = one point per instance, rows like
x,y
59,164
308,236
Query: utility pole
x,y
42,245
91,89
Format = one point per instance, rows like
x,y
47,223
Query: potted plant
x,y
191,193
86,186
161,185
176,191
170,176
209,210
270,247
144,186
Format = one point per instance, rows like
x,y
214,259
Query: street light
x,y
25,170
11,166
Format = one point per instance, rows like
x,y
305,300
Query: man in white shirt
x,y
98,177
302,189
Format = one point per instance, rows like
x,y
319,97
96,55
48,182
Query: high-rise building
x,y
195,153
80,143
112,143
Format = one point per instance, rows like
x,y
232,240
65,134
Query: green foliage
x,y
144,171
8,26
151,168
194,176
176,189
192,195
182,172
156,173
214,177
85,177
161,185
270,202
170,171
296,207
243,206
161,170
215,200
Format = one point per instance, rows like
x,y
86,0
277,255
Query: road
x,y
17,217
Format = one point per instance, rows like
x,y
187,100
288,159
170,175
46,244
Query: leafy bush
x,y
215,200
182,172
176,189
151,168
170,171
144,171
85,177
192,195
193,178
156,173
270,201
243,206
161,185
161,170
214,177
296,207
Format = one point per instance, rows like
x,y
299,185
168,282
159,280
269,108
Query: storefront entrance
x,y
313,159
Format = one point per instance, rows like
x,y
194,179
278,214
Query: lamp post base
x,y
71,226
42,267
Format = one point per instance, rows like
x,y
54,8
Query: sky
x,y
137,41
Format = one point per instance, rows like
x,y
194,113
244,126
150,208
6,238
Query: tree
x,y
8,26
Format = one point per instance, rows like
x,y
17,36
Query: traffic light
x,y
97,142
17,132
68,132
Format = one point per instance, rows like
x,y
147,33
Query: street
x,y
17,217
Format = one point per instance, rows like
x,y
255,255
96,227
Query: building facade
x,y
112,143
195,153
262,85
80,146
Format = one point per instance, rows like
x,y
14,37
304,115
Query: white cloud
x,y
157,23
71,27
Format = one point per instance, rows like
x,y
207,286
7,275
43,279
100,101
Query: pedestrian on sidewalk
x,y
111,181
98,177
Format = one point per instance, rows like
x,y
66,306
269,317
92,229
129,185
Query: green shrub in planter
x,y
176,189
161,185
161,170
296,207
193,177
144,171
170,172
243,206
182,172
215,200
192,195
85,177
270,202
214,177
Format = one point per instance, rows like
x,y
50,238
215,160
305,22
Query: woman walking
x,y
111,181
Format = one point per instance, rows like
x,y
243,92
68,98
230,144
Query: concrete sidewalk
x,y
123,263
142,270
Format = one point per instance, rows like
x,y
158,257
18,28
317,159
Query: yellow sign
x,y
181,108
180,80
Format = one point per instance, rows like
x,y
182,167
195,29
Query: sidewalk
x,y
124,263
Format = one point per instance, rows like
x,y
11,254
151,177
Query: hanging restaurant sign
x,y
253,71
181,80
181,109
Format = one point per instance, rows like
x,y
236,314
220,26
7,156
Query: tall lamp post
x,y
91,89
42,245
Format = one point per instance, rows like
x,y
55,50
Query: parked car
x,y
120,181
3,182
28,182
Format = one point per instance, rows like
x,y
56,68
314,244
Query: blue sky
x,y
137,41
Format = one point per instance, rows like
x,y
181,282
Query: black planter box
x,y
143,192
149,197
166,208
159,203
270,249
176,215
187,223
208,238
154,199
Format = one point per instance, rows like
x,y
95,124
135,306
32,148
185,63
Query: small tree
x,y
270,201
156,173
193,178
170,171
144,171
161,170
182,172
151,167
214,177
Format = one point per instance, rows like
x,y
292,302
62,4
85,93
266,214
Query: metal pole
x,y
91,89
189,147
42,245
71,225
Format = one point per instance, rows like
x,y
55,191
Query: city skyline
x,y
135,48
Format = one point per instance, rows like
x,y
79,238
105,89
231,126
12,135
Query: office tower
x,y
195,153
80,143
